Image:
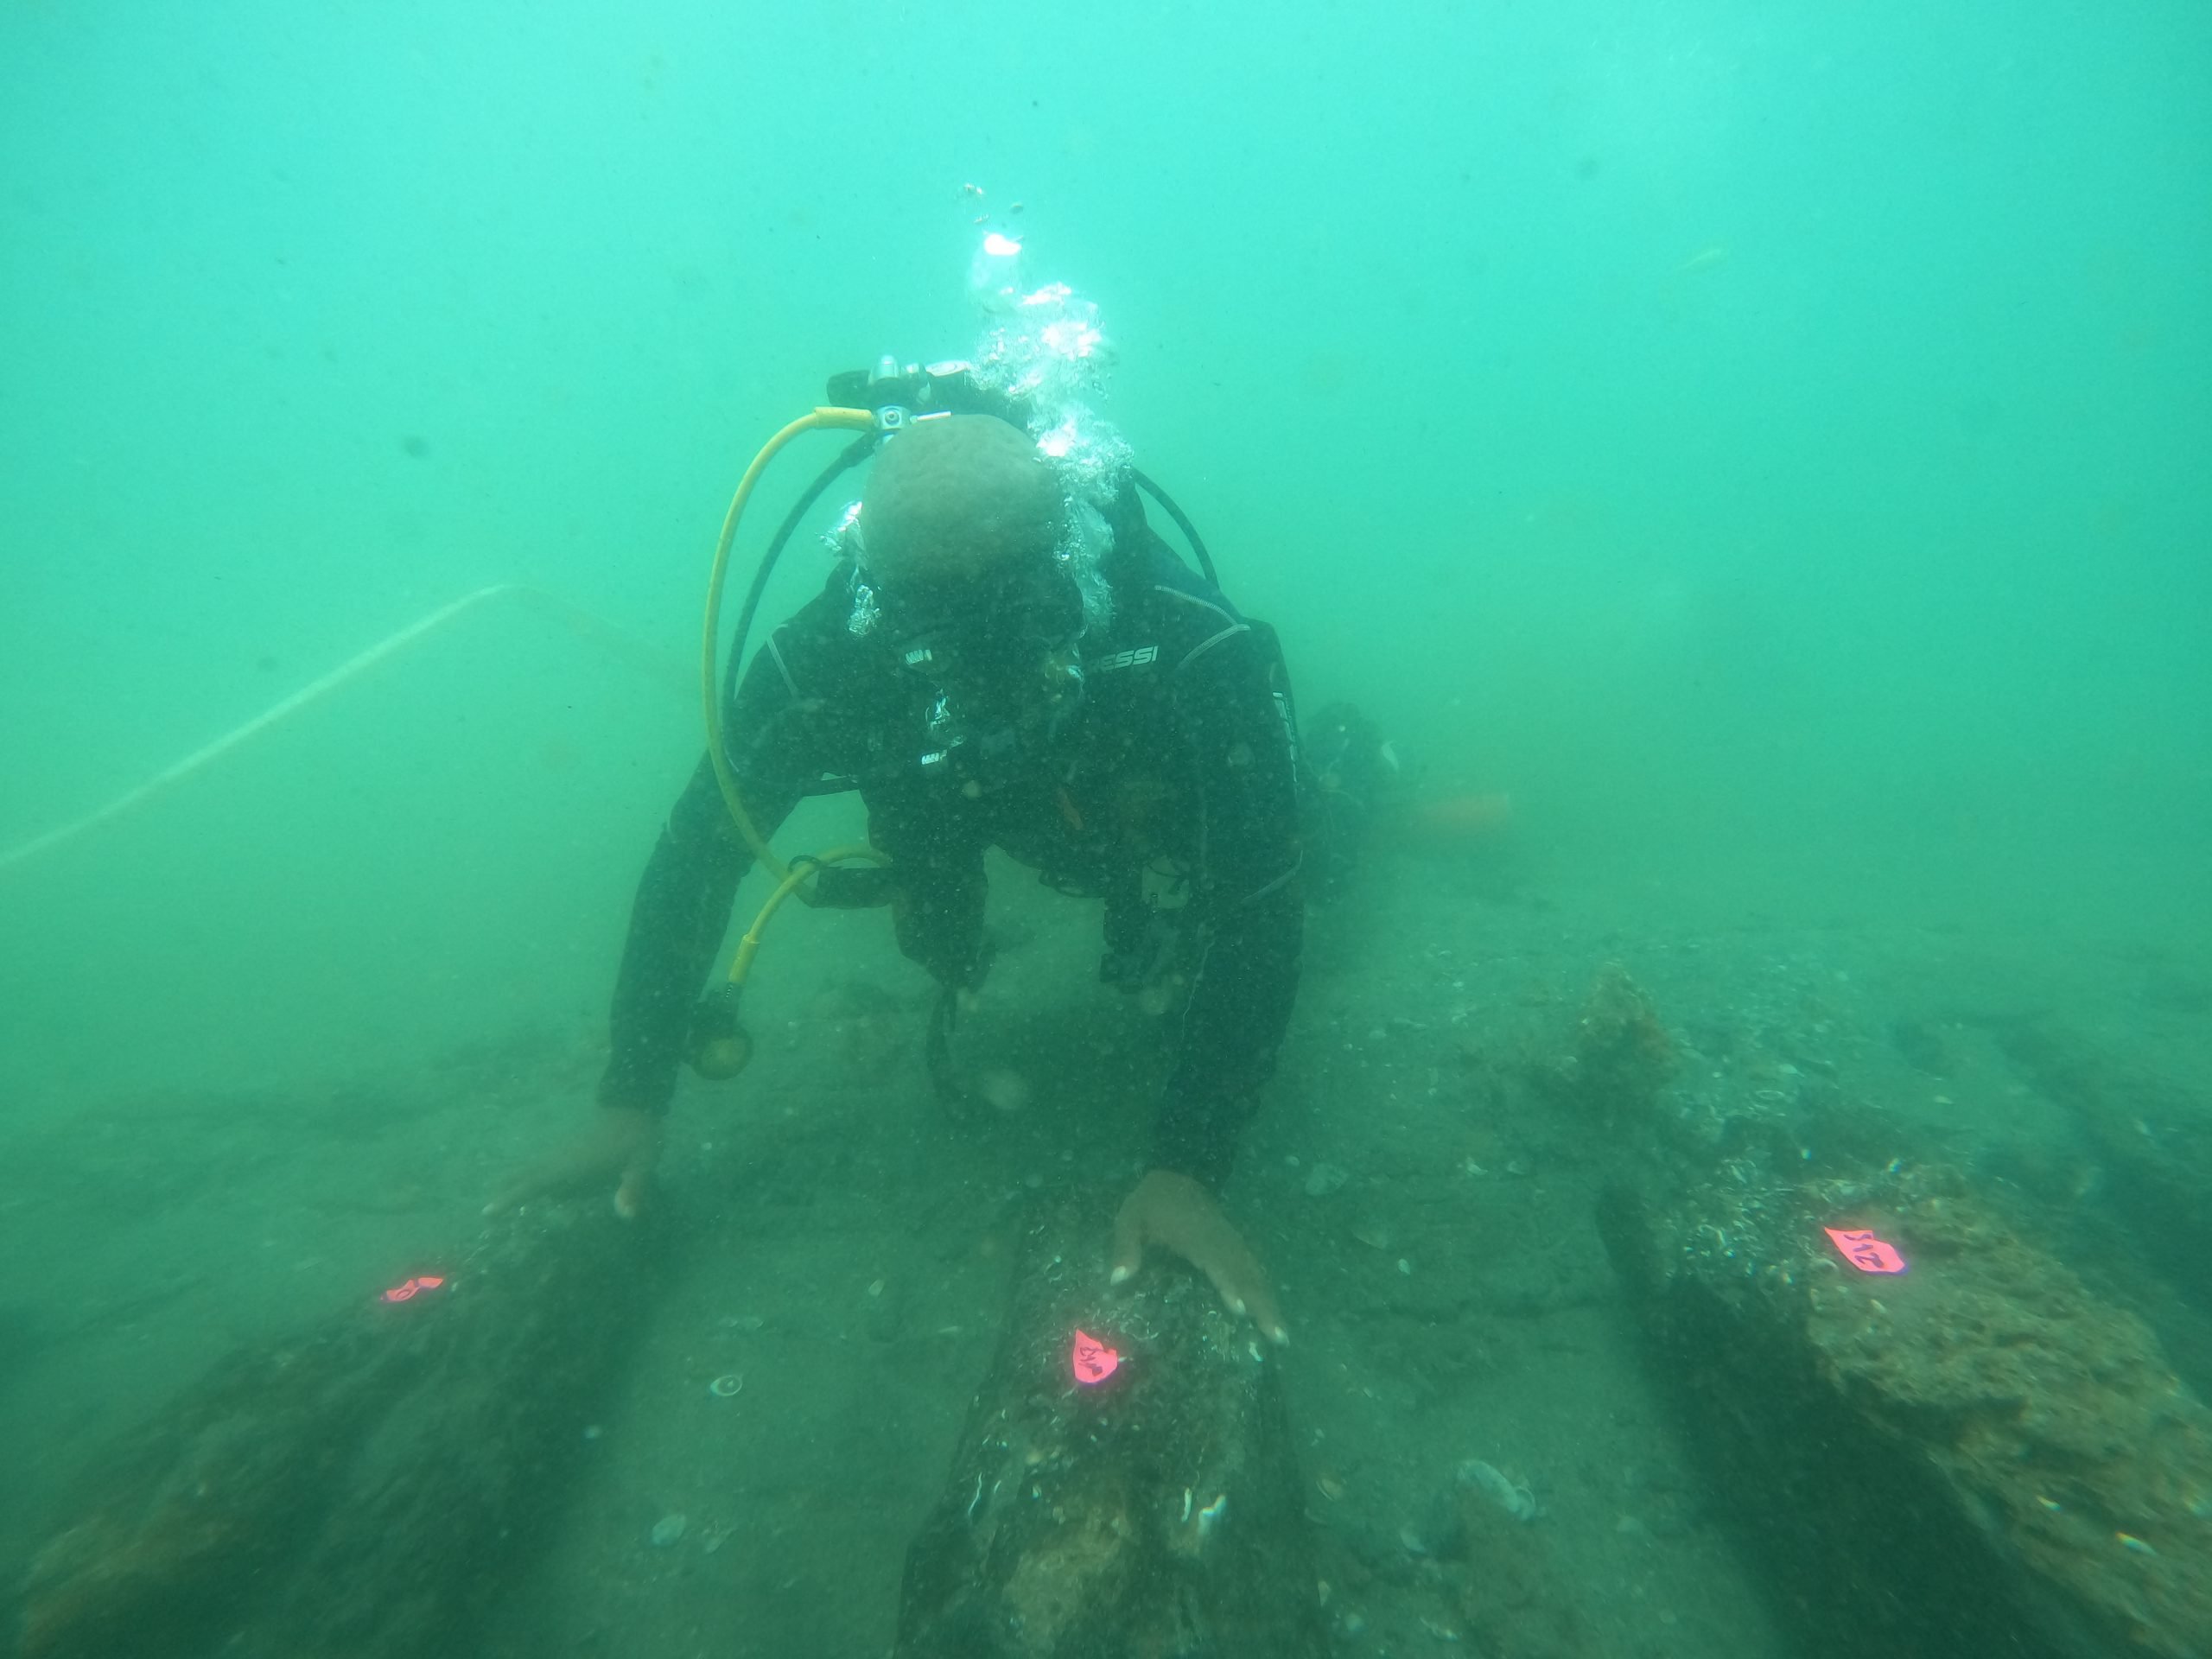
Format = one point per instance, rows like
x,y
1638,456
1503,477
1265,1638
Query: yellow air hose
x,y
710,692
790,878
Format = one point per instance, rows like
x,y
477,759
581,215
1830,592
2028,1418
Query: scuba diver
x,y
1347,770
1004,654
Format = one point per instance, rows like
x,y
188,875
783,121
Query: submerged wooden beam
x,y
1978,1453
350,1494
1156,1511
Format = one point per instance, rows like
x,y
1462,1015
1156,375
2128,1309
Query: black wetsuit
x,y
1176,777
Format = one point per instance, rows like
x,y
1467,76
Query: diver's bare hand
x,y
622,1147
1176,1213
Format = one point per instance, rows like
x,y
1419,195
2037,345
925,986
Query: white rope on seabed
x,y
24,852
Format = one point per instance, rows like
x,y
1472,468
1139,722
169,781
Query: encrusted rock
x,y
1620,1055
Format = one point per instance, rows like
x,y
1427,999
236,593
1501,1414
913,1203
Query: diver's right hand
x,y
623,1147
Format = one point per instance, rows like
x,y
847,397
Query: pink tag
x,y
1866,1252
1094,1362
412,1287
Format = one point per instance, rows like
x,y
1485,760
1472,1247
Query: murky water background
x,y
1767,447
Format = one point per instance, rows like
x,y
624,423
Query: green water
x,y
1767,443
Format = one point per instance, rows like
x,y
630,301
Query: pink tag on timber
x,y
1866,1252
1092,1360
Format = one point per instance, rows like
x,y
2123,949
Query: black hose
x,y
854,454
1190,531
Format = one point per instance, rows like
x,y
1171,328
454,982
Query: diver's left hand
x,y
1176,1213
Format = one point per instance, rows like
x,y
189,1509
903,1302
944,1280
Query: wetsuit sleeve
x,y
1234,710
682,909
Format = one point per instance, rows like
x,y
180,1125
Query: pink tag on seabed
x,y
412,1288
1092,1360
1866,1252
